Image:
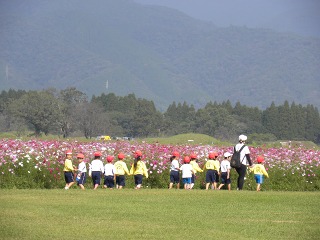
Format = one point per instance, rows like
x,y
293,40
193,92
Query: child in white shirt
x,y
82,171
109,173
187,172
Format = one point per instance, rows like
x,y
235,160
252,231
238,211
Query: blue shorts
x,y
224,179
192,178
216,174
186,180
210,176
82,179
109,181
138,179
68,177
121,180
174,176
259,178
96,176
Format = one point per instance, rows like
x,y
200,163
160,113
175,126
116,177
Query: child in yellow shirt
x,y
259,172
121,170
195,167
212,166
138,169
68,170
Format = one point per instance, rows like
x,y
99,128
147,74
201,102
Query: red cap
x,y
80,155
121,156
97,154
193,156
260,159
68,152
137,153
213,155
175,154
186,159
109,158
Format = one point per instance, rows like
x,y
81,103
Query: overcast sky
x,y
300,16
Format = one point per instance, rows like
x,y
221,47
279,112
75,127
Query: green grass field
x,y
158,214
188,138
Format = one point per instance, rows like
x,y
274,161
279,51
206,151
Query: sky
x,y
299,16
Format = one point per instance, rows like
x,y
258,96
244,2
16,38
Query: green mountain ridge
x,y
155,52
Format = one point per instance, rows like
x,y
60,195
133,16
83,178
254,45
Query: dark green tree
x,y
297,121
40,109
284,113
147,120
312,129
180,118
270,118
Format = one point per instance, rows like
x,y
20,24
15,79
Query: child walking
x,y
195,167
68,170
109,173
82,171
259,172
120,170
174,170
96,169
138,169
187,172
225,171
212,166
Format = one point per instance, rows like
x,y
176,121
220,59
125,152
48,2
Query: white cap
x,y
242,137
227,154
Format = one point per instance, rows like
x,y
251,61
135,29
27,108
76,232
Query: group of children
x,y
190,167
214,170
114,174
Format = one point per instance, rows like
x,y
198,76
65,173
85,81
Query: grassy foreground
x,y
158,214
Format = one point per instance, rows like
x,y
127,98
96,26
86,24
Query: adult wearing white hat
x,y
244,159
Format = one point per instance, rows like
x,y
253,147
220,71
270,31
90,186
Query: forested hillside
x,y
69,112
154,52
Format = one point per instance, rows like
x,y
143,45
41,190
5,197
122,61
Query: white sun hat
x,y
242,137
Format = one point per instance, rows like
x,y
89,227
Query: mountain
x,y
158,53
300,17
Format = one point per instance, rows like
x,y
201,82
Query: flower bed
x,y
39,164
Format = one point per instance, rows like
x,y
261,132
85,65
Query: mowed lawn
x,y
158,214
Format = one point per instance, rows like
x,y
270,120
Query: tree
x,y
69,99
91,119
312,123
147,120
284,118
270,119
204,122
298,122
40,109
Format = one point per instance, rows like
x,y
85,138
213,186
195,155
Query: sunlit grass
x,y
188,138
158,214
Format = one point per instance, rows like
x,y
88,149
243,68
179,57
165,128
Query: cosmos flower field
x,y
39,163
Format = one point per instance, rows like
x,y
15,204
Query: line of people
x,y
215,171
113,173
190,167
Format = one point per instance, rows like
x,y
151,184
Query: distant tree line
x,y
69,113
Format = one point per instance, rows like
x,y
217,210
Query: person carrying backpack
x,y
244,160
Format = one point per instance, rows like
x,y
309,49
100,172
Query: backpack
x,y
235,161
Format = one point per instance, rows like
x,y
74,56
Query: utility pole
x,y
7,72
